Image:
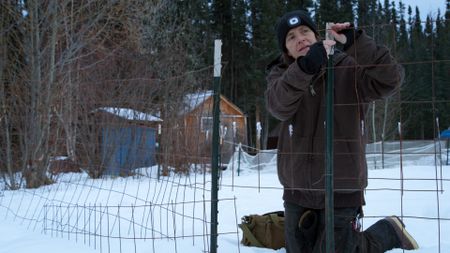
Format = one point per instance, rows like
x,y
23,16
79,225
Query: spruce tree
x,y
417,87
230,23
441,68
327,12
334,11
366,14
346,7
291,5
264,15
402,38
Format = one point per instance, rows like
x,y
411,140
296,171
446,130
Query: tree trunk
x,y
4,116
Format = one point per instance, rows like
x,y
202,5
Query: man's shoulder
x,y
282,61
277,61
339,57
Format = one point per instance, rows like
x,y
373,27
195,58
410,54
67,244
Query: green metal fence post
x,y
215,145
329,198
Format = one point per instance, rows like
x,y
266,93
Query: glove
x,y
312,62
308,225
351,35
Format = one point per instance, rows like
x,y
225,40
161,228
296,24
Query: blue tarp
x,y
445,134
127,148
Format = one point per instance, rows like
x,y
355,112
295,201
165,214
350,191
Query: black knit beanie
x,y
290,20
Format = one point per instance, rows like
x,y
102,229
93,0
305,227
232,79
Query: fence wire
x,y
133,175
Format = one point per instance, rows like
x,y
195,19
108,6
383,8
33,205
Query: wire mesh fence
x,y
141,213
122,163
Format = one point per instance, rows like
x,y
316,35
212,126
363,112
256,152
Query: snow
x,y
16,238
130,114
193,100
173,213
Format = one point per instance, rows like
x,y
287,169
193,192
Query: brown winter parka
x,y
363,73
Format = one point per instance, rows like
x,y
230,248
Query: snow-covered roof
x,y
193,100
130,114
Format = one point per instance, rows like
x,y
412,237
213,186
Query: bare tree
x,y
10,66
73,57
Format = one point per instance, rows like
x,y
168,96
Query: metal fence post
x,y
329,198
215,145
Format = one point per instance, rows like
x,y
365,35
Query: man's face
x,y
298,40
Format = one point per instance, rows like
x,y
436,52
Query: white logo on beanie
x,y
293,21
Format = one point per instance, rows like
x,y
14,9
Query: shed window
x,y
206,124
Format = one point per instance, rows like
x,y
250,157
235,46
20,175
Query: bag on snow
x,y
265,231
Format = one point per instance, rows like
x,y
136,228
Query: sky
x,y
425,6
37,221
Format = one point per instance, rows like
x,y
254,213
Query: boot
x,y
406,241
390,233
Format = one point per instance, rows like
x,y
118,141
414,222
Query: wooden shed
x,y
197,117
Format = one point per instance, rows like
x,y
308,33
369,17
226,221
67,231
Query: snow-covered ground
x,y
142,214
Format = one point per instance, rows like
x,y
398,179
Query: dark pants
x,y
310,238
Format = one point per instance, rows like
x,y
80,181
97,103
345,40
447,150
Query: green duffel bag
x,y
265,231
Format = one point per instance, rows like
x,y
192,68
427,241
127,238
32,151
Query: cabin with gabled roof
x,y
197,116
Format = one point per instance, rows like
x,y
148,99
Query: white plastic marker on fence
x,y
258,130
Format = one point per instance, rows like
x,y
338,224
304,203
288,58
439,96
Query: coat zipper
x,y
313,81
313,93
